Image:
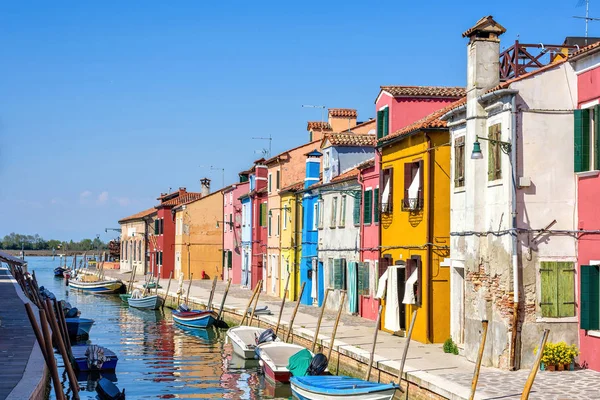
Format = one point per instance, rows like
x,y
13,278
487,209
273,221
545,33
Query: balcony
x,y
412,204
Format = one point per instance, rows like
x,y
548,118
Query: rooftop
x,y
350,139
139,215
343,112
318,125
425,91
293,187
184,198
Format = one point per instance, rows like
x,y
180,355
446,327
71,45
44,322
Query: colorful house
x,y
199,235
586,64
246,256
232,231
309,272
291,237
258,223
134,241
513,203
415,228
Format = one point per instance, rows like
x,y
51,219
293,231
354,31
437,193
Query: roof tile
x,y
318,125
351,139
182,199
139,215
425,91
343,112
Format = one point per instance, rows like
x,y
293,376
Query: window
x,y
230,198
125,244
333,212
339,273
315,216
159,258
459,162
326,160
277,179
231,222
140,250
343,212
285,217
494,153
368,207
356,210
414,270
134,252
587,139
262,218
278,225
229,258
376,205
321,212
244,214
156,227
269,182
590,297
558,289
363,278
270,223
413,186
383,122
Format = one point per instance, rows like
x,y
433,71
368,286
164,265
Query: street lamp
x,y
476,154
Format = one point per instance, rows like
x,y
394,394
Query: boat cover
x,y
339,385
95,356
299,363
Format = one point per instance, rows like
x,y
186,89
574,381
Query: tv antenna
x,y
213,168
587,16
265,151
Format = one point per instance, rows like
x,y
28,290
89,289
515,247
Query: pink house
x,y
232,239
586,63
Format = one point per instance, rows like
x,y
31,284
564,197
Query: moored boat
x,y
125,297
244,340
274,358
195,318
59,272
98,287
109,391
79,326
146,303
330,387
94,358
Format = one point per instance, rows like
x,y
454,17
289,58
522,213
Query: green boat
x,y
125,297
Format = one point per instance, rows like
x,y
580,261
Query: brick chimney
x,y
205,186
342,119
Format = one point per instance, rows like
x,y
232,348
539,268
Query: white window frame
x,y
285,218
316,216
270,182
334,204
592,123
269,224
321,212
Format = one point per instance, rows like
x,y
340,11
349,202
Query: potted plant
x,y
558,356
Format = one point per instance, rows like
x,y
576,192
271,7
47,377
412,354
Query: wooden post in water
x,y
484,326
318,328
156,288
62,324
223,299
168,287
249,304
536,365
60,341
51,362
406,345
287,282
295,311
260,285
187,295
131,278
372,355
335,325
212,293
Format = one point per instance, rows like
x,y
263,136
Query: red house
x,y
258,200
586,63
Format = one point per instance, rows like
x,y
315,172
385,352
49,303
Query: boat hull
x,y
339,387
242,339
124,297
80,359
101,287
59,272
274,358
146,303
79,326
195,319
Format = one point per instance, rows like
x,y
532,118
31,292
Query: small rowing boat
x,y
244,340
59,272
331,387
94,358
145,303
125,297
274,358
195,318
98,287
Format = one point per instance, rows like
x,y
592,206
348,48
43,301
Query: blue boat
x,y
80,359
79,326
329,387
59,271
195,318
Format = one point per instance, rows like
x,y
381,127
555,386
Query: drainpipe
x,y
513,228
430,196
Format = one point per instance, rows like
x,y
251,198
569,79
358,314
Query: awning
x,y
409,290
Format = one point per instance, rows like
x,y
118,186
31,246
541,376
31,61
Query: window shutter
x,y
277,180
566,289
363,278
582,140
407,182
260,216
386,121
356,210
230,222
156,226
368,207
597,137
459,162
376,202
337,273
492,153
229,257
590,297
421,195
549,296
379,124
224,262
391,196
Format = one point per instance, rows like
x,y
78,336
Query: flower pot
x,y
560,367
550,367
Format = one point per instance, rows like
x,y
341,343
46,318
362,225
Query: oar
x,y
220,323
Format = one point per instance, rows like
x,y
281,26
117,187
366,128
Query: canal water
x,y
157,358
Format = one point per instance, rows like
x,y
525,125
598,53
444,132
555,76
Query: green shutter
x,y
376,202
229,257
156,226
224,259
270,179
566,289
363,278
597,137
380,124
337,273
589,286
356,211
492,153
549,296
263,214
386,121
582,140
368,207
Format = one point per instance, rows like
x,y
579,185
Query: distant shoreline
x,y
48,253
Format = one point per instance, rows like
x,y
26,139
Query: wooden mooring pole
x,y
406,345
168,287
484,327
212,294
536,365
335,325
60,342
187,295
223,299
249,304
318,328
287,282
372,354
50,361
294,313
260,285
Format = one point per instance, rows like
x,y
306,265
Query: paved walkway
x,y
17,342
426,364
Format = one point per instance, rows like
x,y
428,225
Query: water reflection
x,y
158,359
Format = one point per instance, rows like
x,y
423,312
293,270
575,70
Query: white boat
x,y
244,339
153,302
100,287
274,358
339,387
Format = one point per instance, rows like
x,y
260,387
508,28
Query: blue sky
x,y
103,105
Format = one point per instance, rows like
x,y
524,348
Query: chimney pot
x,y
205,186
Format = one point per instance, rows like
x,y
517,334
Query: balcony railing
x,y
412,204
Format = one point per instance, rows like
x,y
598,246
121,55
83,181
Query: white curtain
x,y
413,189
409,292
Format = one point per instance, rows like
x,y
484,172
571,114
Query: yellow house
x,y
291,239
199,236
415,227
